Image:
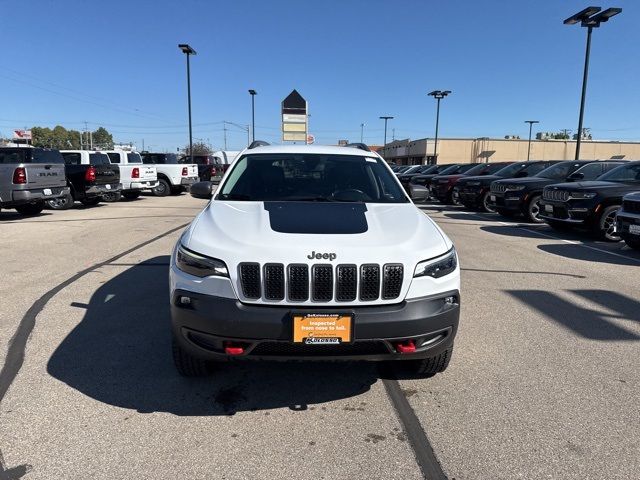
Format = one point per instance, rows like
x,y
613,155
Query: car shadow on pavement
x,y
120,354
577,252
593,324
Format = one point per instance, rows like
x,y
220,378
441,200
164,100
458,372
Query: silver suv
x,y
29,176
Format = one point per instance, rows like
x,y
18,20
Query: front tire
x,y
30,208
61,203
188,365
485,206
532,211
163,189
607,224
428,367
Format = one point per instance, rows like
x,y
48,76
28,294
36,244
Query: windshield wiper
x,y
234,196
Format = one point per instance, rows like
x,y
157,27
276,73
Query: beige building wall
x,y
464,150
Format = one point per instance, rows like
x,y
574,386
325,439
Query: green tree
x,y
199,148
102,139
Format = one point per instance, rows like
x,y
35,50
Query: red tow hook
x,y
231,349
407,347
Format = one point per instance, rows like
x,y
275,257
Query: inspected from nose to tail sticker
x,y
322,329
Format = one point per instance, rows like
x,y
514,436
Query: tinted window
x,y
72,158
47,156
134,158
448,170
98,159
465,168
624,173
12,156
311,177
429,169
611,165
536,168
413,169
114,157
591,171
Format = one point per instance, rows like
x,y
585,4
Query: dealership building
x,y
477,150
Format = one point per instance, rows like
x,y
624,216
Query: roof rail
x,y
258,143
360,146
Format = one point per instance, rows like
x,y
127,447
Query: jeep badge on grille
x,y
320,256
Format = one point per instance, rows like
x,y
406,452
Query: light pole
x,y
188,51
253,94
530,122
590,18
361,132
386,119
438,95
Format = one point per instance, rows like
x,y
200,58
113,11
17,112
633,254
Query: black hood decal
x,y
317,218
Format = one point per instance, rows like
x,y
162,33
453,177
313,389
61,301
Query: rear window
x,y
47,156
114,157
72,158
134,158
12,156
98,159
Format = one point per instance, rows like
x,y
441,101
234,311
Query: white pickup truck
x,y
173,177
134,175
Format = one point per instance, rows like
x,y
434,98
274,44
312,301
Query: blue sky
x,y
117,64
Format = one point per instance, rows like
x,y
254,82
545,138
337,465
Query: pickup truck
x,y
134,176
89,176
173,176
29,176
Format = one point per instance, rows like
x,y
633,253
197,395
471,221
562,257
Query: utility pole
x,y
438,95
565,133
224,128
530,122
361,132
386,119
393,134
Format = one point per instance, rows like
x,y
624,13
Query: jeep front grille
x,y
498,188
555,195
321,282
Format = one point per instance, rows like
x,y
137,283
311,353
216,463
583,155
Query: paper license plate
x,y
493,198
548,208
107,186
634,229
322,329
46,191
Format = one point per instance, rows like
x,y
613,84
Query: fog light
x,y
185,301
449,300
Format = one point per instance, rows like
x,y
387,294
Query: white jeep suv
x,y
312,253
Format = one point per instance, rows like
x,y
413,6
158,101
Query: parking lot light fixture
x,y
590,17
253,94
438,95
188,51
530,122
386,119
361,132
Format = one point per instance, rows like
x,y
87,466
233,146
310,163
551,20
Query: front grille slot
x,y
250,279
369,282
498,188
322,282
555,195
347,283
298,282
274,281
392,281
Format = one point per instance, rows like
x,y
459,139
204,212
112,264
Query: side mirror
x,y
576,176
202,190
521,174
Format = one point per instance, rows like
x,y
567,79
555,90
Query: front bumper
x,y
624,223
203,327
21,197
510,200
576,212
471,197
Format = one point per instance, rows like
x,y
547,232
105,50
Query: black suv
x,y
628,220
522,195
591,204
419,185
445,187
405,178
474,193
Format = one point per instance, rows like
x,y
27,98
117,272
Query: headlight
x,y
515,188
199,265
438,267
473,184
582,195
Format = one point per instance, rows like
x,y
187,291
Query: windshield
x,y
511,170
98,159
134,158
413,169
624,173
311,177
559,171
428,169
449,169
465,167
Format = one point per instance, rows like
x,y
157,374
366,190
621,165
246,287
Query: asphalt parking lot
x,y
544,380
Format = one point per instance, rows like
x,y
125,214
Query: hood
x,y
288,232
589,185
527,181
483,179
450,177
